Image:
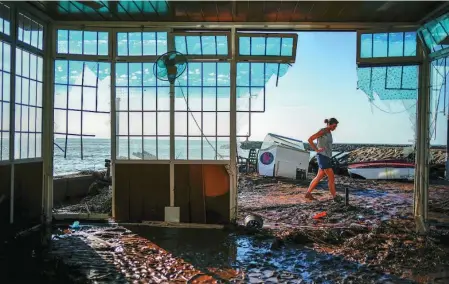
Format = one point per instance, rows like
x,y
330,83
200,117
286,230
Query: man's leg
x,y
314,183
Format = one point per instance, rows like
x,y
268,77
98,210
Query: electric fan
x,y
170,66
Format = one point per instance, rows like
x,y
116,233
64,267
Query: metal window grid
x,y
66,85
386,59
65,44
5,74
26,26
195,115
153,89
5,19
280,58
28,105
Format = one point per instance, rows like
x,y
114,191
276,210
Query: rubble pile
x,y
438,156
100,202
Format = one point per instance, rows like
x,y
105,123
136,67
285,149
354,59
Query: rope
x,y
197,124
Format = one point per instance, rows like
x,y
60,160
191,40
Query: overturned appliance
x,y
281,156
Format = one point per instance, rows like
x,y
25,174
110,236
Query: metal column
x,y
447,147
48,118
115,105
422,147
171,47
233,130
12,110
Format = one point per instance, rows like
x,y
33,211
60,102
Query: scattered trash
x,y
75,225
119,249
253,221
320,215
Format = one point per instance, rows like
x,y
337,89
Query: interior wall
x,y
28,179
5,188
142,191
202,193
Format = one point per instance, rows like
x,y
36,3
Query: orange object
x,y
320,215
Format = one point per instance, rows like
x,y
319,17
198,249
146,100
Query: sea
x,y
70,159
74,158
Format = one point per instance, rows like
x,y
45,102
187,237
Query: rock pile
x,y
438,156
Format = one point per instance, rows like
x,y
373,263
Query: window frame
x,y
266,58
203,58
390,61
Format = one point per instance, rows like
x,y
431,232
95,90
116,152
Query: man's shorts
x,y
324,162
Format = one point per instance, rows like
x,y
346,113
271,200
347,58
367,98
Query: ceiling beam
x,y
300,26
31,9
440,10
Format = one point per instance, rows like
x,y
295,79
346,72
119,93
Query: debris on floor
x,y
100,202
376,229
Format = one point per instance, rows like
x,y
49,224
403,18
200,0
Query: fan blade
x,y
161,63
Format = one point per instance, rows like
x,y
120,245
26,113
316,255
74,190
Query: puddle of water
x,y
215,248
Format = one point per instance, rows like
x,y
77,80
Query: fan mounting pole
x,y
168,67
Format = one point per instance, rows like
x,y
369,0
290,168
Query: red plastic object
x,y
320,215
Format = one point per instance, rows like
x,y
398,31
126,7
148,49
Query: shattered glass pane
x,y
435,32
439,99
251,81
390,84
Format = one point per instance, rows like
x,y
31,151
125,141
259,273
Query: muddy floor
x,y
372,240
142,254
376,229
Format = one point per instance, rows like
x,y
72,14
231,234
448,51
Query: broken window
x,y
439,99
252,79
5,100
82,95
387,70
436,33
389,83
202,112
28,105
81,105
261,56
143,113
